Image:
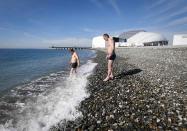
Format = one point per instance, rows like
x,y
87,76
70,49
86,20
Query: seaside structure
x,y
68,47
99,42
128,34
133,38
180,39
143,38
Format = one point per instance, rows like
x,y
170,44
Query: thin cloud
x,y
170,6
176,13
101,32
89,30
97,3
34,21
164,9
2,28
9,29
27,34
96,32
183,10
180,21
156,4
70,41
114,5
181,32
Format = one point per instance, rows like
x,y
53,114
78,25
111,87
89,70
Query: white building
x,y
180,39
147,39
99,42
133,38
142,38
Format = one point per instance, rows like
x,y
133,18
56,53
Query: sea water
x,y
36,90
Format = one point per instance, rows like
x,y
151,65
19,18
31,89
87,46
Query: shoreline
x,y
134,100
42,93
22,69
53,98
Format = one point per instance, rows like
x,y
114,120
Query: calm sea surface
x,y
19,66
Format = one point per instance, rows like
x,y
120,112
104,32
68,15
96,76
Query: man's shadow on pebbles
x,y
129,72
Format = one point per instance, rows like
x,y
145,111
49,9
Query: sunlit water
x,y
40,92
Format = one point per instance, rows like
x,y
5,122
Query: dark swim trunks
x,y
112,57
74,65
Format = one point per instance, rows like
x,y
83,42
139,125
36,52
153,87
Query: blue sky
x,y
42,23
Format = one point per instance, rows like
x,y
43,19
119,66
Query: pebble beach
x,y
149,92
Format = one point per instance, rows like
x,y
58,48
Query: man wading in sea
x,y
74,61
110,55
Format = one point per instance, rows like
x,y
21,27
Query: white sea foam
x,y
50,108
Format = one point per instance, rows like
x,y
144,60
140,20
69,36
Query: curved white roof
x,y
128,34
145,37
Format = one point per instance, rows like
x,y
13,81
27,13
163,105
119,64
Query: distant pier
x,y
66,48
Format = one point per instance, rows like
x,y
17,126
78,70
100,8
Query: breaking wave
x,y
49,100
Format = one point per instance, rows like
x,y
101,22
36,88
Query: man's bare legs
x,y
73,71
110,70
111,66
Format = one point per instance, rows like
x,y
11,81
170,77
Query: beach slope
x,y
148,92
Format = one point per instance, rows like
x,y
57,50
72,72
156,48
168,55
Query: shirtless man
x,y
110,55
74,61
